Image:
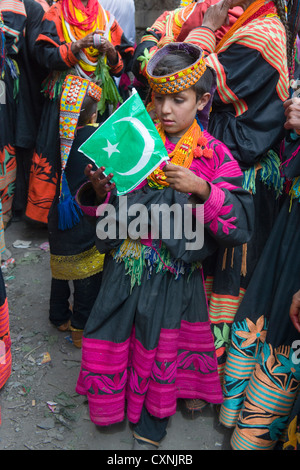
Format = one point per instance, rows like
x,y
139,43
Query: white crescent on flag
x,y
148,149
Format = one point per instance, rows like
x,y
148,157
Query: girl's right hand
x,y
100,182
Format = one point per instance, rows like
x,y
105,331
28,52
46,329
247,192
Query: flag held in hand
x,y
127,144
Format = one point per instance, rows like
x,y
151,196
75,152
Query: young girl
x,y
148,339
73,255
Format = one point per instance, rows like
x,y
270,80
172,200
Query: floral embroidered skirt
x,y
147,345
261,374
229,274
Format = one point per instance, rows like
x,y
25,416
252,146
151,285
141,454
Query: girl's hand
x,y
217,15
100,182
185,181
295,310
292,113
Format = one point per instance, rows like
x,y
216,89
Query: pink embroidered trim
x,y
184,365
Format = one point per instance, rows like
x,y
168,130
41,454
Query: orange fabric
x,y
245,17
44,4
5,344
41,191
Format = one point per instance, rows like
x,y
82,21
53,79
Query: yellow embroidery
x,y
79,266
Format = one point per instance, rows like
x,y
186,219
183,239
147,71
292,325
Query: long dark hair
x,y
291,25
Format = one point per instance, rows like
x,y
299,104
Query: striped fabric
x,y
224,307
270,398
182,366
261,384
13,5
203,37
267,35
5,344
168,25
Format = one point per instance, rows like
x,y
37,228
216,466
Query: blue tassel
x,y
68,210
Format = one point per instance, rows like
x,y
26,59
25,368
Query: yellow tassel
x,y
224,260
232,256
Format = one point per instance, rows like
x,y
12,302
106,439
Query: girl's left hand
x,y
185,181
102,184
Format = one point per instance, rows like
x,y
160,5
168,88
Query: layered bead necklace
x,y
191,145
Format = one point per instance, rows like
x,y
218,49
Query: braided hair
x,y
289,41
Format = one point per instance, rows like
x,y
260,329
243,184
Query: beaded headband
x,y
182,79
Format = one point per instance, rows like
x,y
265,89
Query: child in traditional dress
x,y
73,255
148,340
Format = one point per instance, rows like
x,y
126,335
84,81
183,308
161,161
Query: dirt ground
x,y
40,409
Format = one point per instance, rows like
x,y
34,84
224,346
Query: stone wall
x,y
147,11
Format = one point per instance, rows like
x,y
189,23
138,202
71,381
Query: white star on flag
x,y
111,148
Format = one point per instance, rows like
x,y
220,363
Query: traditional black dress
x,y
14,18
148,340
53,51
29,103
248,116
262,373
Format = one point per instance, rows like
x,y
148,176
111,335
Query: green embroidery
x,y
269,174
144,59
222,336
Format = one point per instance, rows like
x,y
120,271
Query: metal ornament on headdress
x,y
74,91
182,79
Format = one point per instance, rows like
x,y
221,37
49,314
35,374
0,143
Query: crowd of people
x,y
158,322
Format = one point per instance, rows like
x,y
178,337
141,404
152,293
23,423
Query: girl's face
x,y
177,111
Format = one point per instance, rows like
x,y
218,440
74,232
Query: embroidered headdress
x,y
192,144
184,78
181,80
74,91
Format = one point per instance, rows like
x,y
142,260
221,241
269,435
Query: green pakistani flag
x,y
127,144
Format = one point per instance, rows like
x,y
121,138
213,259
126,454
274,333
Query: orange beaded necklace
x,y
184,152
